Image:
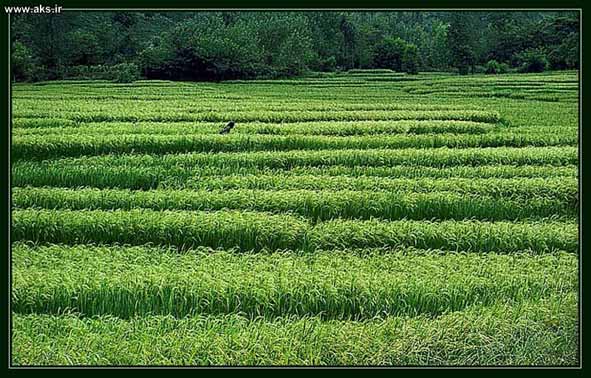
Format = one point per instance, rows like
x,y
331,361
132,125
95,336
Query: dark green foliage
x,y
562,34
389,54
246,45
21,62
328,64
119,73
126,73
410,59
494,67
460,40
532,60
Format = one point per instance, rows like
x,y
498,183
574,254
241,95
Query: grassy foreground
x,y
538,333
355,219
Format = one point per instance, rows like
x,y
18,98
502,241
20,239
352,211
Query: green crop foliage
x,y
360,218
256,231
138,281
324,205
102,174
48,146
527,333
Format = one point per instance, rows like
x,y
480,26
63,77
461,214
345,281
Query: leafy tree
x,y
389,53
561,35
227,45
433,48
85,48
460,43
410,59
347,28
21,62
532,60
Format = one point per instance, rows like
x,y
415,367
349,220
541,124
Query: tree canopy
x,y
233,45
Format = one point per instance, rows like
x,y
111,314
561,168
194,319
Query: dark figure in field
x,y
227,128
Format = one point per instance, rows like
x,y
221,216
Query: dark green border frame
x,y
584,136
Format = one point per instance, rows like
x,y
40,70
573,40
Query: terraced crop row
x,y
558,186
265,116
68,173
139,281
45,126
313,204
80,103
246,230
47,146
503,334
436,157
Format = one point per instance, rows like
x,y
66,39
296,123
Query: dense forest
x,y
124,46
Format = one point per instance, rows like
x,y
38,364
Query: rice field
x,y
365,218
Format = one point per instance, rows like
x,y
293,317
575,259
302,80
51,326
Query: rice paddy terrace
x,y
368,218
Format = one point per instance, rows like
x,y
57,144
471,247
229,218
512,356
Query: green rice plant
x,y
224,229
256,231
294,128
434,157
106,173
139,281
41,123
541,237
365,219
55,146
32,105
318,205
268,116
538,332
564,188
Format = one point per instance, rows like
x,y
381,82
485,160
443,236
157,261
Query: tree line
x,y
124,46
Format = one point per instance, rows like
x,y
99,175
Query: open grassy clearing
x,y
362,218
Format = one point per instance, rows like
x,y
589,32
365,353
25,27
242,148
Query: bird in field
x,y
227,128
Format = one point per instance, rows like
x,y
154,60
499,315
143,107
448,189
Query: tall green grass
x,y
431,157
106,173
318,205
257,231
54,146
139,281
541,332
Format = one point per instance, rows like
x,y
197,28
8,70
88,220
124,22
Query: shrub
x,y
329,64
478,69
125,72
494,67
389,54
410,59
532,60
119,73
21,62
